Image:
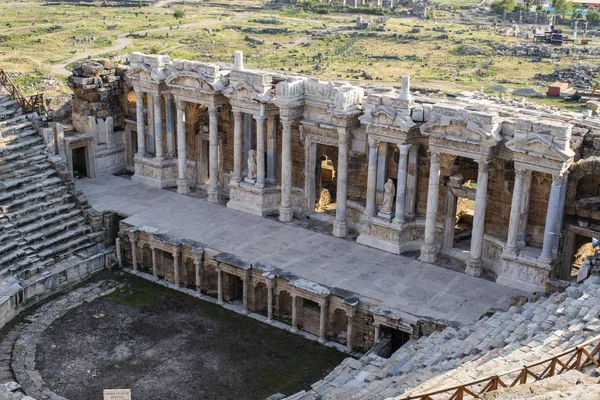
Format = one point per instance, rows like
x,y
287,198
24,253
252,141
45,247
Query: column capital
x,y
270,283
180,104
237,114
133,235
156,97
558,178
373,143
138,91
520,172
343,135
287,120
176,251
483,165
435,156
259,118
404,148
212,111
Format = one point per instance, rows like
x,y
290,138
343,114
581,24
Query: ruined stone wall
x,y
422,181
500,188
540,193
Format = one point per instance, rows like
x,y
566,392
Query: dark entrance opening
x,y
79,163
236,288
326,178
390,340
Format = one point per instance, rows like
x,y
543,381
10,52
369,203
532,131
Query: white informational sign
x,y
117,394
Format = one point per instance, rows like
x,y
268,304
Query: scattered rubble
x,y
581,74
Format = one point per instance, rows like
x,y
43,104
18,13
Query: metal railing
x,y
578,358
27,103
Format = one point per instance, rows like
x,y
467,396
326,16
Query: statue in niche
x,y
252,164
389,190
324,200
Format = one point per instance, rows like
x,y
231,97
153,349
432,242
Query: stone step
x,y
21,161
22,153
73,245
21,145
41,223
27,176
17,135
50,210
55,228
16,124
12,256
63,237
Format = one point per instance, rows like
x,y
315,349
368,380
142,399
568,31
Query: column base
x,y
473,267
428,253
220,302
213,196
322,341
340,228
269,321
182,186
294,330
286,214
245,312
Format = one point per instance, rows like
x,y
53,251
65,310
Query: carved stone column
x,y
213,144
294,314
170,125
245,280
400,216
139,111
411,182
450,205
182,184
154,267
323,320
237,146
198,265
340,224
377,332
219,286
349,330
371,178
270,285
285,210
474,261
133,238
515,212
428,249
551,218
176,278
524,217
260,150
158,126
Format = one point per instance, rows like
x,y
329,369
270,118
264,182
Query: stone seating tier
x,y
40,224
493,345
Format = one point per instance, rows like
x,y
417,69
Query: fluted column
x,y
182,184
371,178
237,146
323,321
139,111
285,210
552,222
260,150
154,266
515,212
340,224
428,249
270,285
170,125
401,184
474,261
213,155
176,278
158,126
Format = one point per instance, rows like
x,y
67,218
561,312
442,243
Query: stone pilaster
x,y
133,238
294,314
349,330
371,178
515,212
285,211
220,286
213,139
340,224
198,265
245,280
182,184
176,279
270,285
474,261
237,146
158,126
154,266
428,249
400,216
139,107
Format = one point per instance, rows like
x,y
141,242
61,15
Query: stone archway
x,y
582,168
283,311
339,326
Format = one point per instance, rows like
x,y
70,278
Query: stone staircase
x,y
502,342
40,223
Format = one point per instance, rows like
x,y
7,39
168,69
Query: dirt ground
x,y
167,345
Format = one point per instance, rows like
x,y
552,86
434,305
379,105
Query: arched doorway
x,y
339,326
283,310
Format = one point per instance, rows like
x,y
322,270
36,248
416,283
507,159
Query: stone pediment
x,y
245,91
540,145
339,97
147,74
195,82
460,125
388,117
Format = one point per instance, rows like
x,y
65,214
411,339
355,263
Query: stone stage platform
x,y
390,280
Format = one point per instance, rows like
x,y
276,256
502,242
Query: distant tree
x,y
179,14
562,7
593,17
140,4
539,8
499,6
